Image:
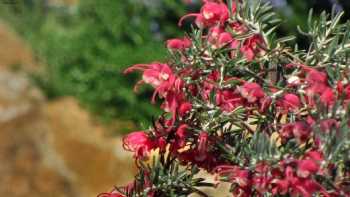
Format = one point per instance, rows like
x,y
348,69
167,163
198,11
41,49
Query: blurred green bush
x,y
87,47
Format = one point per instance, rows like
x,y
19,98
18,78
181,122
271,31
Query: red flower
x,y
215,13
290,102
301,131
327,97
179,44
347,96
234,174
113,193
251,91
287,131
261,179
306,167
316,77
347,92
228,100
240,177
139,143
181,134
296,186
172,102
238,27
329,124
157,74
211,13
160,76
202,147
224,39
218,37
252,46
185,108
214,33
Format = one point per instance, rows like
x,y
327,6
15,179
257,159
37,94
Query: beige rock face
x,y
93,161
54,149
13,51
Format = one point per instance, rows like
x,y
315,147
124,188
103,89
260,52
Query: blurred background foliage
x,y
87,44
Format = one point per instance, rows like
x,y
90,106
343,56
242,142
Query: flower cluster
x,y
248,109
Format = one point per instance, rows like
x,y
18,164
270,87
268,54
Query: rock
x,y
22,126
54,149
95,161
14,53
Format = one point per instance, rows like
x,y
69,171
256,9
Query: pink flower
x,y
179,44
139,143
215,13
238,176
202,147
238,27
157,74
346,93
287,131
301,131
218,37
251,91
113,193
290,102
328,124
211,13
306,167
261,178
160,76
214,33
316,77
252,46
327,97
228,100
185,108
265,103
296,186
224,39
181,134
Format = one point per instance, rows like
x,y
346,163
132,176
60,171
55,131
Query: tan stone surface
x,y
54,149
13,51
96,161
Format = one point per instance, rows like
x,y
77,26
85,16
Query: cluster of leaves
x,y
241,103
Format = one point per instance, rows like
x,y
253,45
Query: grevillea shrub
x,y
243,105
